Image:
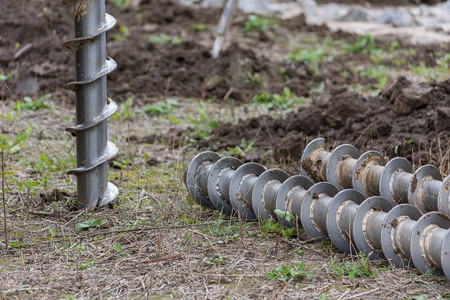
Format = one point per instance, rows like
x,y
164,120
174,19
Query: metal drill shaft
x,y
369,174
373,226
93,107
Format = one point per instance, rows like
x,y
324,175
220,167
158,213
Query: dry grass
x,y
155,243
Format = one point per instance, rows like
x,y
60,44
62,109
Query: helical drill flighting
x,y
246,190
372,176
93,108
373,226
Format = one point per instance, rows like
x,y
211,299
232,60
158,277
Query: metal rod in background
x,y
224,24
369,174
93,108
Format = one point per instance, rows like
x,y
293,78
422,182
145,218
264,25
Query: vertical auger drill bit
x,y
93,108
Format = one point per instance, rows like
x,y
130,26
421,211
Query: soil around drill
x,y
407,120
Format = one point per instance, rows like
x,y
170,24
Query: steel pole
x,y
93,108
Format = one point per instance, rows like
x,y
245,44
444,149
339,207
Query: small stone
x,y
309,7
332,12
397,17
358,14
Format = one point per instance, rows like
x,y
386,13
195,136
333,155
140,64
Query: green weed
x,y
287,272
360,268
285,101
379,73
159,108
91,223
298,251
124,110
164,39
216,260
29,104
14,146
244,148
285,215
365,45
5,77
203,123
271,226
200,27
307,55
252,79
121,3
257,24
124,32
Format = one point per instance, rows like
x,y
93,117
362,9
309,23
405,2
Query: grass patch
x,y
287,272
352,270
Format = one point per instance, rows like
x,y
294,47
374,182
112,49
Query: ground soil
x,y
407,120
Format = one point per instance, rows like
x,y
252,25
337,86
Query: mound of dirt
x,y
401,121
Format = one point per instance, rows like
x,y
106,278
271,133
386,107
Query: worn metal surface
x,y
198,171
425,187
340,166
290,197
367,226
219,181
372,226
241,189
396,234
340,216
370,175
93,108
426,248
367,172
314,208
265,193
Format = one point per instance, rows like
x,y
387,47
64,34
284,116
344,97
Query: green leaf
x,y
52,231
285,215
117,247
173,119
91,223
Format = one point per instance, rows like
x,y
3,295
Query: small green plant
x,y
285,215
121,3
287,272
443,63
91,223
5,77
365,44
124,32
275,101
360,268
86,266
221,229
14,146
399,62
200,27
244,148
379,73
217,259
307,55
165,39
257,24
271,226
160,108
29,104
252,79
124,111
203,123
298,251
